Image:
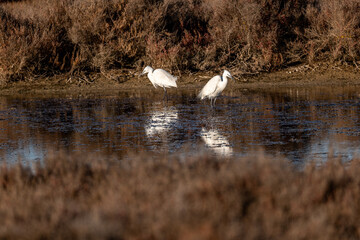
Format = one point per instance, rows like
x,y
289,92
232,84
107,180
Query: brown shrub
x,y
254,34
76,37
334,31
69,36
178,35
32,46
167,198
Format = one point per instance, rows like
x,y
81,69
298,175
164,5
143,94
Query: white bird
x,y
214,87
160,78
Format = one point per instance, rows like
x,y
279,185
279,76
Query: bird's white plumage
x,y
211,89
214,87
160,77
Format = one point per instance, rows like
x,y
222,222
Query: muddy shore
x,y
95,83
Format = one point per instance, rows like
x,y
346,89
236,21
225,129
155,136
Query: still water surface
x,y
299,124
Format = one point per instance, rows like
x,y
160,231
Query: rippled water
x,y
300,124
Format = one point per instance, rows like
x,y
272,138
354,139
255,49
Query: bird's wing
x,y
209,87
164,79
154,84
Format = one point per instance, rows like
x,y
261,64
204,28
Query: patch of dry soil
x,y
98,83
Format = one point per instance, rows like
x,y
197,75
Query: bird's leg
x,y
165,94
211,102
214,101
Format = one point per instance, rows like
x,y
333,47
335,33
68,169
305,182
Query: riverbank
x,y
301,76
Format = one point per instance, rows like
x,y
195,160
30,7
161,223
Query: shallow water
x,y
299,124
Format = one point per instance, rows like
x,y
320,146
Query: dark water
x,y
300,124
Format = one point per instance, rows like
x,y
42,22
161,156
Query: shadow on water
x,y
300,124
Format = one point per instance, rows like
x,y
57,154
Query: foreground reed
x,y
72,197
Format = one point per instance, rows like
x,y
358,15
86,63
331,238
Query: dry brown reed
x,y
77,197
49,37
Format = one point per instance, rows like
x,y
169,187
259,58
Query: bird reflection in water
x,y
161,121
216,142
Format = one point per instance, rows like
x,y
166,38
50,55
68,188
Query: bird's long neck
x,y
224,79
150,74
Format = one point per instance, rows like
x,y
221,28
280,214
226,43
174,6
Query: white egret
x,y
214,87
160,78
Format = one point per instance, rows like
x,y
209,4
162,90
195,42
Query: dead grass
x,y
77,197
42,38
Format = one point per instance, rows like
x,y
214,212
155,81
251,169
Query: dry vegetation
x,y
166,198
47,37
